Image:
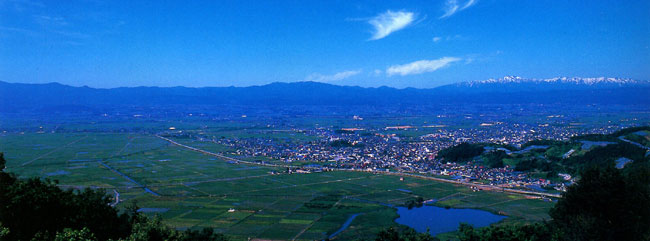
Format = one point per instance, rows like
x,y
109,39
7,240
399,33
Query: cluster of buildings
x,y
385,149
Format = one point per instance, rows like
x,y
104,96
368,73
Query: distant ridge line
x,y
505,79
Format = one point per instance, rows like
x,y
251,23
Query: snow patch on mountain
x,y
560,80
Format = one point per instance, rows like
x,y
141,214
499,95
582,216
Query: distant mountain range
x,y
600,81
519,84
15,97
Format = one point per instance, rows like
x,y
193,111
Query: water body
x,y
530,148
622,138
586,145
441,220
345,225
57,173
489,148
621,162
146,189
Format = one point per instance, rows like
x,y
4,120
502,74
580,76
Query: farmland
x,y
190,190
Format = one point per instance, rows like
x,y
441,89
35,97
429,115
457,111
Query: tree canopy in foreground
x,y
35,209
605,204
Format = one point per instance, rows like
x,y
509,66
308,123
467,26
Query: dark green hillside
x,y
547,158
462,152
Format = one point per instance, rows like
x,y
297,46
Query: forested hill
x,y
35,97
626,148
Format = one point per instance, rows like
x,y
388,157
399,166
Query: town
x,y
388,150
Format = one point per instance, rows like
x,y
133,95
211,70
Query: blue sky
x,y
367,43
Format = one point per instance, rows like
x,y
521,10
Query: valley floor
x,y
189,189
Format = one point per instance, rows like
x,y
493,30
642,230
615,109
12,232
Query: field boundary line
x,y
52,151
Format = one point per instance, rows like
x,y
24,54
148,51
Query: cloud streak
x,y
448,38
52,21
469,4
331,78
389,22
421,66
452,7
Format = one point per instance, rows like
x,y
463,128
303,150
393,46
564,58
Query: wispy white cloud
x,y
18,30
389,22
50,21
449,38
331,78
421,66
452,7
33,19
468,4
20,5
377,72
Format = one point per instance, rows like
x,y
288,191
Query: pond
x,y
442,220
621,162
586,145
530,148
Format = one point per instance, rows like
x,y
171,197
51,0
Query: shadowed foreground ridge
x,y
35,209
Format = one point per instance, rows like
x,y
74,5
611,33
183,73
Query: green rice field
x,y
190,190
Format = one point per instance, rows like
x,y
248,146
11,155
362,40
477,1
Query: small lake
x,y
442,220
530,148
621,162
586,145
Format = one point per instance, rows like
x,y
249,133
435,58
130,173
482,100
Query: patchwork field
x,y
189,189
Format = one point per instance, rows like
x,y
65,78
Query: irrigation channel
x,y
146,189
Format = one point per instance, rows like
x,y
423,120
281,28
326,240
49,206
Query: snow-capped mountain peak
x,y
561,80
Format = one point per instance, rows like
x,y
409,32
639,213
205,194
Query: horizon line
x,y
308,81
